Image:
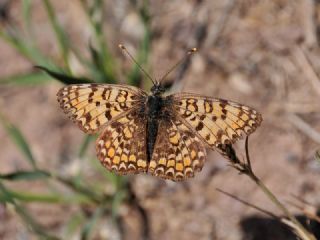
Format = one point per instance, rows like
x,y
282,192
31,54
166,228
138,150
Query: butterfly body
x,y
156,106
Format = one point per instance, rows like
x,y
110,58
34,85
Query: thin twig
x,y
218,27
308,11
307,208
304,127
303,233
248,204
143,213
200,34
300,108
247,155
306,65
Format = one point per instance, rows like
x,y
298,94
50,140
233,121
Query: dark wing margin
x,y
91,106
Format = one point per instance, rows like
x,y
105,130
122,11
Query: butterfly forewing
x,y
178,152
91,106
216,121
122,145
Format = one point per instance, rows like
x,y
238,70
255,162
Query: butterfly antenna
x,y
124,49
189,53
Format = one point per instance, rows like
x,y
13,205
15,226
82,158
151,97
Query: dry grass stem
x,y
244,167
215,32
270,214
306,65
307,11
304,127
300,108
307,208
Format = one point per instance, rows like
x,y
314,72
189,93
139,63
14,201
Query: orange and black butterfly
x,y
166,136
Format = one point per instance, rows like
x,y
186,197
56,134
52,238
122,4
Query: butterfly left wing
x,y
178,152
122,145
215,121
92,106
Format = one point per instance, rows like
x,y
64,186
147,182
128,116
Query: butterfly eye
x,y
157,89
153,88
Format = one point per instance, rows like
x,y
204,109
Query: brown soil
x,y
254,52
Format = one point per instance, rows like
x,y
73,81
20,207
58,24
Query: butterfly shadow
x,y
261,228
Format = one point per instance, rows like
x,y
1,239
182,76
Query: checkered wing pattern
x,y
215,121
91,106
178,152
122,145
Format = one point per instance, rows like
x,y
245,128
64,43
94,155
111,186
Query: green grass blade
x,y
31,197
98,64
89,226
26,13
53,198
73,225
57,198
96,58
5,196
135,76
109,176
24,47
90,66
17,137
117,201
59,32
64,78
85,144
26,79
80,188
106,62
25,175
25,216
32,224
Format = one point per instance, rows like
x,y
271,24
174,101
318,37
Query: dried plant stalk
x,y
244,167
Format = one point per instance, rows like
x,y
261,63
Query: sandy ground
x,y
264,54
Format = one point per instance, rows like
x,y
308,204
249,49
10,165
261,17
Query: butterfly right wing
x,y
215,121
91,106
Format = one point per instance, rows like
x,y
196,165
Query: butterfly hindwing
x,y
216,121
122,145
91,106
178,152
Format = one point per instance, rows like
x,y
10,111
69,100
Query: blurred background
x,y
264,54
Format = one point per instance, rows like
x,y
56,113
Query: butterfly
x,y
164,135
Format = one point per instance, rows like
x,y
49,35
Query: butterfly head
x,y
157,89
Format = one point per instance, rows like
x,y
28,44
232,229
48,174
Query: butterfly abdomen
x,y
153,112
